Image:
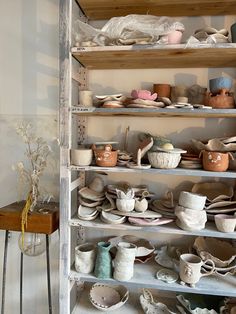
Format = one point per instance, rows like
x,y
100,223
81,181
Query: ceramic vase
x,y
124,261
103,266
85,255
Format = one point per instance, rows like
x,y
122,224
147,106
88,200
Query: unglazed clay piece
x,y
110,218
167,275
214,191
149,222
143,94
147,214
87,213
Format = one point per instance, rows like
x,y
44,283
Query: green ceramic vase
x,y
103,264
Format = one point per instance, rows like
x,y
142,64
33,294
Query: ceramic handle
x,y
108,147
231,156
200,154
211,271
125,297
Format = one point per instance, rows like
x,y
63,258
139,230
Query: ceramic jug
x,y
124,261
85,255
103,266
190,269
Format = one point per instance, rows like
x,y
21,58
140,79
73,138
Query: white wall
x,y
29,71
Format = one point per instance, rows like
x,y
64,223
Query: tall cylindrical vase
x,y
124,261
103,266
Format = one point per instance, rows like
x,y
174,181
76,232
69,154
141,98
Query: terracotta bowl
x,y
215,161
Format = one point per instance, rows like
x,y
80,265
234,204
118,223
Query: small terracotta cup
x,y
162,90
215,161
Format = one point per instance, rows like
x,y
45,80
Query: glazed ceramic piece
x,y
149,306
108,298
190,219
144,247
167,275
81,157
85,255
221,252
192,200
141,205
164,160
225,223
87,213
143,94
190,269
147,214
215,161
220,83
106,157
149,222
214,191
124,261
187,306
103,266
110,218
168,256
214,145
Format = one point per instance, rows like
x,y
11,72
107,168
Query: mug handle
x,y
231,156
211,271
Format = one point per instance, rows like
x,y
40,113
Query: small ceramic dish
x,y
110,218
108,298
225,223
149,222
222,253
167,275
87,213
147,214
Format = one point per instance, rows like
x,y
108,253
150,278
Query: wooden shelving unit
x,y
105,9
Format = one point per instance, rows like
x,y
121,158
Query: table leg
x,y
4,270
21,282
48,276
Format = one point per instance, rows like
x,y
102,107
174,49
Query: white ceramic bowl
x,y
124,205
81,157
192,200
164,160
225,223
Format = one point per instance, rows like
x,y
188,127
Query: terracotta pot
x,y
215,161
162,90
224,100
105,157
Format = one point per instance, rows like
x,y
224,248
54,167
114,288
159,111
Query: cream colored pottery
x,y
192,200
147,214
190,219
85,255
214,144
168,256
107,205
167,275
89,194
214,191
111,218
141,205
124,261
225,223
88,203
81,157
125,205
149,222
87,213
97,185
86,98
108,298
190,269
221,252
164,160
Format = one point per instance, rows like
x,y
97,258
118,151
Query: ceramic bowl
x,y
214,191
87,213
222,253
164,160
225,223
111,218
125,205
192,200
219,83
81,157
108,298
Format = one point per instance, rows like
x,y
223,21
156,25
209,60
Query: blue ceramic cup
x,y
219,83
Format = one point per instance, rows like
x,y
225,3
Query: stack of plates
x,y
190,161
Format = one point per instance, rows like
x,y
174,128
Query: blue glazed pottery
x,y
103,264
219,83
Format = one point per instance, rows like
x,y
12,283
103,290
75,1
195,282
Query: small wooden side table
x,y
45,221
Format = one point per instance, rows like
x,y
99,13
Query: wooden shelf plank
x,y
144,276
105,9
176,171
155,112
147,57
209,231
47,223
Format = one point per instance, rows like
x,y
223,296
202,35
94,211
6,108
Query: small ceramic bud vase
x,y
124,261
103,266
85,255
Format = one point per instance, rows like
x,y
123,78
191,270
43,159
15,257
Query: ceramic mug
x,y
190,269
85,255
86,98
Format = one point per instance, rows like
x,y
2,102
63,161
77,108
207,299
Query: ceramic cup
x,y
192,200
85,255
225,223
162,90
190,268
81,156
86,98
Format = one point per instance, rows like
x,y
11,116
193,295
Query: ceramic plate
x,y
146,214
87,213
89,194
149,222
223,204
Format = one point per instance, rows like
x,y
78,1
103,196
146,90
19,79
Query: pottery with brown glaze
x,y
105,157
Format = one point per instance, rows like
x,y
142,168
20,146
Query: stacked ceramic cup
x,y
190,211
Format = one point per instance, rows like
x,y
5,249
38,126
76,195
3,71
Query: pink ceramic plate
x,y
149,222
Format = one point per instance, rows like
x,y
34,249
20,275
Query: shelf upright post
x,y
65,145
